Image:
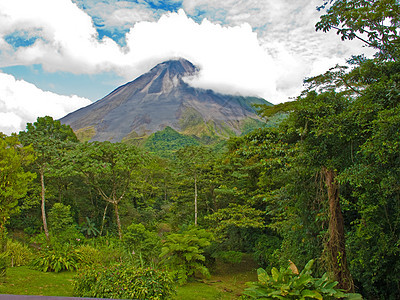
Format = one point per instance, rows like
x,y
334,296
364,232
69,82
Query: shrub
x,y
123,282
111,250
56,259
62,226
290,284
60,217
266,251
18,254
89,255
89,228
183,253
142,243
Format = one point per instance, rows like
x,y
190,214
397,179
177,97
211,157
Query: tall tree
x,y
192,161
13,186
47,137
14,180
110,168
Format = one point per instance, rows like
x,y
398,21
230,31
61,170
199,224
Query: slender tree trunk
x,y
43,207
195,199
336,245
115,203
104,219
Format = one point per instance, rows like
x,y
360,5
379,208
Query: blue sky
x,y
59,55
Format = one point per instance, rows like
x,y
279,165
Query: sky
x,y
59,55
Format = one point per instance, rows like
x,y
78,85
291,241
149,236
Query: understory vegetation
x,y
318,192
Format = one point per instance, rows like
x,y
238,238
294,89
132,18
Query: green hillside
x,y
166,141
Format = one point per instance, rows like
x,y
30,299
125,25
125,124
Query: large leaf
x,y
311,294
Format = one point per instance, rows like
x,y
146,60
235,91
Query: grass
x,y
227,282
25,281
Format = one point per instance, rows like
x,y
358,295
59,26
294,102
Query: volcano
x,y
162,98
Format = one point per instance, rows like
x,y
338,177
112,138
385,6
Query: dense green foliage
x,y
320,182
165,142
18,254
123,282
142,244
290,284
56,259
183,253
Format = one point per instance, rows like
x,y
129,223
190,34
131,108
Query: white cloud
x,y
68,40
264,47
22,102
117,15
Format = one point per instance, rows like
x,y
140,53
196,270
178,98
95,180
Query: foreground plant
x,y
290,284
57,259
183,253
123,282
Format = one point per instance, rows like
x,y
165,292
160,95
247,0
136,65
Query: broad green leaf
x,y
311,294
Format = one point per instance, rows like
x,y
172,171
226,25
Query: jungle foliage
x,y
321,185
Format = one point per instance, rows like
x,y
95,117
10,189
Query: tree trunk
x,y
336,244
118,220
104,219
43,207
195,199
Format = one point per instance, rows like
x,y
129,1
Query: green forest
x,y
312,201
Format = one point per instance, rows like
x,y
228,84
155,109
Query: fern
x,y
183,253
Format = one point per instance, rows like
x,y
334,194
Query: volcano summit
x,y
161,98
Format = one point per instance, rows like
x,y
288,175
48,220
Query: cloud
x,y
230,58
257,47
117,15
22,102
66,38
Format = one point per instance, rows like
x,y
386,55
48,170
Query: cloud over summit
x,y
250,47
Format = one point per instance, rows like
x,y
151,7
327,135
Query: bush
x,y
266,251
183,253
60,217
18,254
123,282
62,226
89,255
56,259
290,284
142,243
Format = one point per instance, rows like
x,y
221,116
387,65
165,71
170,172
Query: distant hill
x,y
167,141
159,99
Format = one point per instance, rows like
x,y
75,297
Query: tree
x,y
47,137
14,181
183,252
110,168
375,22
192,160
